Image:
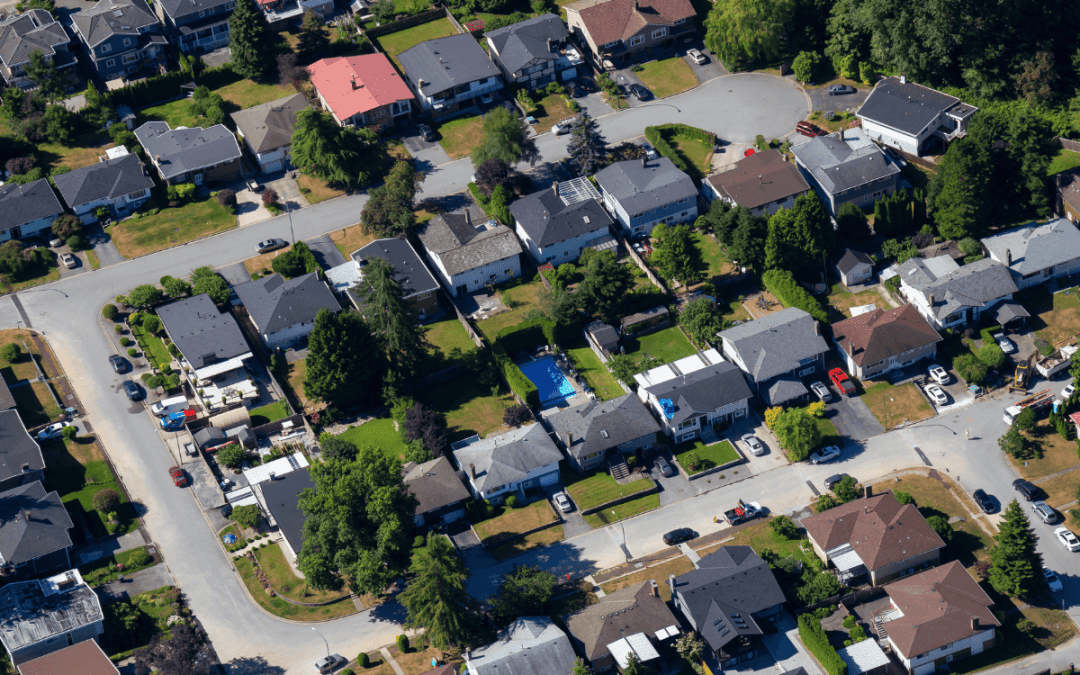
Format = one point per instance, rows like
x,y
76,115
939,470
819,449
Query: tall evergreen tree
x,y
312,41
344,366
44,74
587,146
400,338
250,41
960,190
675,254
436,598
747,245
1030,151
605,285
389,209
1017,565
325,150
800,238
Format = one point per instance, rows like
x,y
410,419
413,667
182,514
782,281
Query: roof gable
x,y
522,43
852,259
844,160
532,645
110,179
435,484
19,452
616,20
23,34
108,18
908,107
875,336
598,426
506,458
447,62
627,611
640,185
776,343
409,270
274,303
22,204
467,239
32,524
547,219
1035,247
760,179
282,498
177,151
269,126
202,333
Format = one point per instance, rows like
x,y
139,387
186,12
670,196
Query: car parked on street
x,y
1044,512
640,92
984,501
838,89
825,455
1005,343
52,431
133,391
757,448
329,664
834,479
563,502
1052,581
1067,538
269,245
69,260
697,56
666,470
821,391
939,374
936,394
178,477
119,365
1026,488
426,133
679,535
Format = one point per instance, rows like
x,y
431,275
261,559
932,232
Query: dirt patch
x,y
761,304
350,239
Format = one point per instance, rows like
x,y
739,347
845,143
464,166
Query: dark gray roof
x,y
181,8
851,259
32,523
783,389
7,401
1035,247
1009,310
467,239
269,126
972,285
210,437
105,180
112,17
547,219
282,501
704,390
521,43
640,184
17,448
22,204
776,343
409,270
435,484
908,107
624,612
505,458
202,333
532,645
23,34
598,426
731,584
275,304
177,151
445,63
839,164
606,336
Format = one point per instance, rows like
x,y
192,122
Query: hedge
x,y
519,384
788,291
162,87
655,135
526,335
658,142
813,636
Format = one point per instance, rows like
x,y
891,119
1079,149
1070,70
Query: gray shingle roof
x,y
851,259
112,17
202,333
783,389
22,204
105,180
33,612
23,34
435,484
972,285
282,497
17,448
908,107
269,126
732,581
776,343
181,8
548,220
1035,247
7,401
627,611
506,458
409,270
461,245
275,304
700,391
521,43
839,165
177,151
32,523
640,185
532,645
445,63
598,426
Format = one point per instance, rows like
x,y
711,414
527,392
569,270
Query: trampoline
x,y
550,383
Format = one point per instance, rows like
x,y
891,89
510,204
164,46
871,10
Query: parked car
x,y
807,129
842,382
834,479
426,133
563,502
640,92
1067,538
821,391
178,477
697,56
825,455
118,363
1005,343
487,98
838,89
133,391
984,501
1044,512
939,374
56,242
563,126
748,152
1052,581
936,394
69,260
270,245
52,431
666,470
1069,390
329,664
757,448
1025,488
650,151
679,536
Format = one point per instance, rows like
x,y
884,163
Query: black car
x,y
834,479
665,467
1026,488
426,132
133,391
118,363
837,89
640,92
679,536
984,501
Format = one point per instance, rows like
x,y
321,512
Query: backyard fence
x,y
603,358
408,22
473,335
1068,144
453,20
640,263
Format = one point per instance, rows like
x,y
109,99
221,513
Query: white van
x,y
168,406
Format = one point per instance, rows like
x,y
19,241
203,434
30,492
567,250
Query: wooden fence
x,y
408,22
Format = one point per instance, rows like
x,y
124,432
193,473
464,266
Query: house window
x,y
105,49
636,40
806,371
659,33
202,13
612,44
425,295
687,424
127,42
680,21
110,63
686,437
229,6
130,58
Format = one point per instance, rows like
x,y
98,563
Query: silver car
x,y
1005,343
939,374
825,455
563,502
757,448
697,56
1044,512
821,391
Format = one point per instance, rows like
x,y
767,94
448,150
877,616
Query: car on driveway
x,y
52,431
936,394
1069,390
939,374
748,152
118,363
426,133
697,56
757,448
563,502
842,381
640,92
329,664
133,391
666,470
1025,488
825,455
1052,581
178,477
69,260
1005,343
834,479
1044,512
650,151
269,245
679,536
56,242
838,89
821,391
984,501
807,129
1067,538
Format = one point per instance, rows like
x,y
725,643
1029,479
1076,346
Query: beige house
x,y
625,29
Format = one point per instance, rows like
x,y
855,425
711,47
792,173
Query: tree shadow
x,y
252,665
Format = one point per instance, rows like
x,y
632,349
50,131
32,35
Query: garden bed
x,y
286,610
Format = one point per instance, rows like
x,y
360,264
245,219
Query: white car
x,y
69,260
1069,390
821,391
937,394
563,502
1067,538
939,374
52,431
696,55
1052,581
650,151
825,455
757,448
1005,343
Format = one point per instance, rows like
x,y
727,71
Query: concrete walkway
x,y
111,546
149,579
390,659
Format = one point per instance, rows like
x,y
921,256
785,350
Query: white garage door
x,y
272,166
925,669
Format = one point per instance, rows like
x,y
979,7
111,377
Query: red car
x,y
748,152
808,129
840,379
178,477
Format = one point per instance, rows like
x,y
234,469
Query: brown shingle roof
x,y
877,335
625,612
611,20
759,179
434,484
1069,186
878,528
938,607
85,658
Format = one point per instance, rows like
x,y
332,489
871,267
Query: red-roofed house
x,y
880,340
615,29
362,91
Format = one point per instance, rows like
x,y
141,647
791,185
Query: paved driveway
x,y
674,488
106,251
711,69
326,252
235,273
428,154
821,100
852,418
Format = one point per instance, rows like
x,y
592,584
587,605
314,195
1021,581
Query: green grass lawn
x,y
698,156
35,404
1054,317
710,456
667,345
711,254
279,607
395,43
842,301
509,522
1063,161
285,582
595,373
471,404
77,483
379,434
623,511
152,346
237,96
450,344
521,299
170,227
458,137
600,488
271,412
153,609
901,403
550,110
668,77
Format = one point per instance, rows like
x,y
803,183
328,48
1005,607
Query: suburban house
x,y
534,52
277,11
854,268
642,193
267,130
27,209
419,288
196,26
630,621
1037,252
532,645
85,658
469,251
34,537
776,352
120,38
877,536
847,167
876,342
763,183
213,348
949,295
618,30
912,118
23,34
362,91
438,489
592,430
726,599
1067,184
284,310
280,501
509,463
120,184
557,224
692,394
21,461
44,616
938,617
449,75
193,154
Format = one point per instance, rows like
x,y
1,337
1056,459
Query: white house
x,y
469,251
642,193
557,224
911,117
1036,253
284,310
120,184
949,295
27,209
509,463
855,267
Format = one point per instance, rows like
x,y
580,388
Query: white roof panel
x,y
862,657
845,558
222,367
278,467
689,364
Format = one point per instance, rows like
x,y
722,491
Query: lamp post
x,y
885,409
324,641
626,551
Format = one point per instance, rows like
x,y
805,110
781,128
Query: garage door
x,y
454,515
925,669
272,167
550,479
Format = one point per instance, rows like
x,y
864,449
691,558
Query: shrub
x,y
232,455
691,460
11,352
124,342
110,312
362,660
139,557
69,433
181,192
105,501
226,197
782,285
77,243
118,328
418,541
903,497
784,527
269,196
403,643
813,636
849,621
516,415
511,502
347,671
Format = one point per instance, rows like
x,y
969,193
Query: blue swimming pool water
x,y
549,380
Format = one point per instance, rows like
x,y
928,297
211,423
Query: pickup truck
x,y
742,512
840,379
175,421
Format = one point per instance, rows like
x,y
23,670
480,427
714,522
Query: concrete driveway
x,y
711,69
674,488
852,418
235,273
428,154
106,251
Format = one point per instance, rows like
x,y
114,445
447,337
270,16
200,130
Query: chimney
x,y
903,78
851,347
549,45
656,589
671,583
841,133
1008,257
468,216
643,161
353,80
868,491
26,468
472,470
555,187
272,475
817,328
569,439
930,298
975,623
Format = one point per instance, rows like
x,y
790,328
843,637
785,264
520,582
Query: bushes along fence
x,y
813,636
788,291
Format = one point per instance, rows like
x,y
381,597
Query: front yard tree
x,y
145,295
176,288
389,317
748,30
1017,565
1013,443
507,138
436,598
797,432
700,321
991,355
313,41
491,174
389,209
45,76
295,262
960,191
422,424
675,254
67,226
344,366
249,38
587,146
206,280
327,151
525,591
605,285
359,523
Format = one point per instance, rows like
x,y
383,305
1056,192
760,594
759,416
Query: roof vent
x,y
604,433
587,219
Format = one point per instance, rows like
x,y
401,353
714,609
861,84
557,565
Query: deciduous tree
x,y
206,280
1017,564
436,598
389,209
176,288
797,432
338,448
250,40
507,138
747,30
145,295
558,304
344,364
800,238
525,591
491,174
422,424
701,321
991,355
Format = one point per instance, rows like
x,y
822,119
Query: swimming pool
x,y
549,380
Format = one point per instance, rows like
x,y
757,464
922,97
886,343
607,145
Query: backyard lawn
x,y
623,511
78,470
270,412
470,404
667,345
511,522
1063,160
659,573
842,301
521,299
395,43
596,374
550,110
237,96
1058,454
710,456
1053,317
458,137
449,343
600,488
906,403
711,254
380,433
317,190
171,227
667,77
